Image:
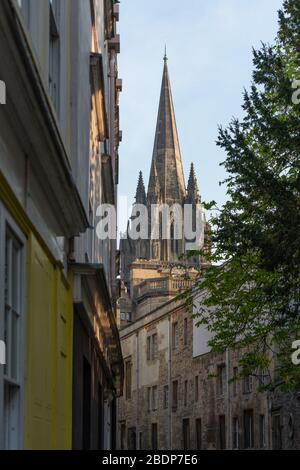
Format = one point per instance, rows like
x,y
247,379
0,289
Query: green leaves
x,y
252,298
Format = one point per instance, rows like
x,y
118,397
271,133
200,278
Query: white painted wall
x,y
201,335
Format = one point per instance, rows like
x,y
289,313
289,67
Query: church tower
x,y
166,187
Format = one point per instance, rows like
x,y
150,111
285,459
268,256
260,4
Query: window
x,y
128,378
154,398
12,291
222,432
123,436
262,431
185,392
175,336
149,398
199,434
186,434
141,441
276,432
131,439
196,388
149,348
175,394
152,347
221,379
126,316
86,405
185,332
248,429
100,417
54,52
166,397
235,381
264,378
154,436
235,433
248,384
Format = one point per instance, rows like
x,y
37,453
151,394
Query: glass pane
x,y
6,340
11,417
6,274
14,346
15,277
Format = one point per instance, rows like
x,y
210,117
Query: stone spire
x,y
192,188
140,197
166,177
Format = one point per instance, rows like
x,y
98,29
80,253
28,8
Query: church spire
x,y
166,176
192,188
165,56
140,197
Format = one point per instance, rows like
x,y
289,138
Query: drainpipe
x,y
228,402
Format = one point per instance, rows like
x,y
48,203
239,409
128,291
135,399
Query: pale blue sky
x,y
209,46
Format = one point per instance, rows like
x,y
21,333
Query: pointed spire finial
x,y
192,188
165,56
140,197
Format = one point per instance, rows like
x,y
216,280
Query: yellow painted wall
x,y
48,342
49,355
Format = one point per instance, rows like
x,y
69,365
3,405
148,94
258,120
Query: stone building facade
x,y
178,394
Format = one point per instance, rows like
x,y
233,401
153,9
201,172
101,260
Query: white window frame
x,y
248,384
13,439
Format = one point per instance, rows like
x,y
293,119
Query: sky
x,y
209,46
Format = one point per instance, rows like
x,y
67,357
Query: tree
x,y
253,283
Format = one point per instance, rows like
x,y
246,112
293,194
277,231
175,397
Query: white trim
x,y
7,220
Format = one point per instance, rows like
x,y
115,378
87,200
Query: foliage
x,y
252,286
